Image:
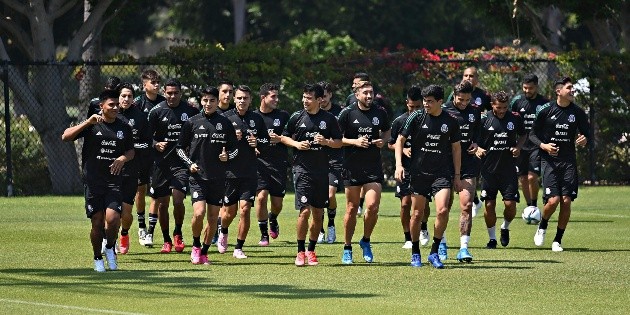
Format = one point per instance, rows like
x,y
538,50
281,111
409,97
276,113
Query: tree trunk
x,y
602,35
240,10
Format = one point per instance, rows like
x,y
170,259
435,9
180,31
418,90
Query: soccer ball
x,y
531,215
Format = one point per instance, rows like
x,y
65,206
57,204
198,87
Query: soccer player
x,y
558,127
206,143
364,127
226,93
501,137
528,162
113,84
107,146
241,182
137,119
434,136
468,118
335,167
145,102
273,160
170,174
309,131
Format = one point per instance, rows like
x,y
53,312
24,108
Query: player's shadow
x,y
575,249
591,221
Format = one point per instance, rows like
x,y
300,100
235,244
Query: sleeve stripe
x,y
182,155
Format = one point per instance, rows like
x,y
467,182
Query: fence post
x,y
7,126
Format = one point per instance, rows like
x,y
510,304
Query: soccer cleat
x,y
203,259
332,235
359,210
148,240
274,229
179,243
142,233
492,244
443,251
300,259
123,248
311,258
166,248
407,245
238,254
99,265
367,251
264,240
195,255
434,260
476,207
321,237
539,237
505,237
347,257
424,237
556,247
103,246
464,255
416,260
222,243
110,255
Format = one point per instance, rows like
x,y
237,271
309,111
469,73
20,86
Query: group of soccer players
x,y
229,158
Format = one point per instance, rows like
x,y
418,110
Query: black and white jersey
x,y
335,156
479,98
469,122
165,124
202,140
145,104
104,143
355,123
397,126
303,126
498,137
431,142
245,163
139,125
559,125
274,155
526,108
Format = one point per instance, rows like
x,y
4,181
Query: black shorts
x,y
129,188
310,190
95,202
164,178
144,165
559,179
403,188
429,185
272,179
528,161
470,166
362,176
504,182
239,189
335,178
210,191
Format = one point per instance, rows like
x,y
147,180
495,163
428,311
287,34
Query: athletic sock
x,y
263,225
124,232
463,241
197,241
543,223
331,216
153,219
322,230
505,225
365,239
435,245
361,202
301,245
415,247
204,249
559,234
476,200
273,217
98,257
167,237
492,233
347,247
141,223
407,236
239,244
177,230
443,240
224,230
423,226
311,245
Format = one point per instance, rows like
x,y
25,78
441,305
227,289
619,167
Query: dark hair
x,y
327,86
112,83
243,88
562,81
530,78
414,93
126,85
362,84
463,87
361,75
268,87
228,82
107,94
433,90
173,82
316,89
150,74
210,90
500,97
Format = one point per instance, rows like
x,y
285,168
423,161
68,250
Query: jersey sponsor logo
x,y
99,133
276,122
571,118
375,121
184,117
444,128
478,101
356,121
252,124
471,117
219,126
322,125
510,126
120,134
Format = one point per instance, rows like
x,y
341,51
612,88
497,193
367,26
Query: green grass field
x,y
46,267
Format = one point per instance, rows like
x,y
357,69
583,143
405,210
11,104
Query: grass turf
x,y
46,267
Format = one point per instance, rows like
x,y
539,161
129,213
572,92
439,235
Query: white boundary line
x,y
598,214
68,307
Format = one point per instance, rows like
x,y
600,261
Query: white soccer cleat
x,y
148,240
556,247
476,207
99,265
424,237
321,237
103,246
110,255
142,233
359,212
332,235
539,238
407,245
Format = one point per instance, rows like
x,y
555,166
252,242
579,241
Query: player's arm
x,y
71,133
399,145
183,143
584,129
538,129
116,167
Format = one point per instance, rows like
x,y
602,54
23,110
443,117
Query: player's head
x,y
432,98
462,93
173,92
226,92
209,99
414,98
470,74
358,77
312,95
564,89
150,82
269,95
126,95
499,103
112,83
364,92
329,88
530,85
109,103
242,98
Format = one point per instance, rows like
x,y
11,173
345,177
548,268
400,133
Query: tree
x,y
29,26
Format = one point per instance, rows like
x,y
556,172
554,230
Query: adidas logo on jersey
x,y
553,117
99,133
356,121
425,126
164,119
302,125
522,110
491,128
201,127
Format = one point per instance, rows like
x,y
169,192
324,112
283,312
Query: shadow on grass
x,y
573,249
152,283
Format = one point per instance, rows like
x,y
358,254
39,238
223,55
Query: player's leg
x,y
551,198
196,224
262,214
353,195
301,231
489,190
442,197
466,196
370,217
244,222
509,191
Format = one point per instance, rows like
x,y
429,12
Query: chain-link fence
x,y
40,100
